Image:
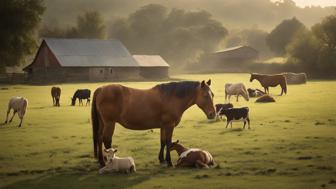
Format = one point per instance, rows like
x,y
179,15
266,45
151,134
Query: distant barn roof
x,y
150,61
235,48
90,53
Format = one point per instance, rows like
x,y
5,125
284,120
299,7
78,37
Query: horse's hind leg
x,y
12,116
237,97
248,121
244,124
200,164
162,145
21,118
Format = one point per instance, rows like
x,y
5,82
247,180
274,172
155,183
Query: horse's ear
x,y
202,84
177,141
208,82
115,150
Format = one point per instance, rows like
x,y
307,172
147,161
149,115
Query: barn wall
x,y
154,72
113,73
45,58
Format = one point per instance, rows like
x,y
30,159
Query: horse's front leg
x,y
162,145
108,133
169,134
237,97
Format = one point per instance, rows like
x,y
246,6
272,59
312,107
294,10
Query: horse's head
x,y
110,154
204,99
173,145
253,76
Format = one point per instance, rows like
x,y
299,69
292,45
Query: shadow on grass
x,y
229,130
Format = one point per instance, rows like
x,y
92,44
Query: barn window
x,y
101,71
111,71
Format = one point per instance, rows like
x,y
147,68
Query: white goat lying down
x,y
117,164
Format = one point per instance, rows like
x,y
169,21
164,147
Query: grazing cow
x,y
192,157
56,95
295,78
219,107
267,81
236,114
19,105
81,94
117,164
255,92
236,89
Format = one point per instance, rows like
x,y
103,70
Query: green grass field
x,y
291,143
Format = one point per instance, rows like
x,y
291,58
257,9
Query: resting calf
x,y
236,114
117,164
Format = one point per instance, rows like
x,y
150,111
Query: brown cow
x,y
56,95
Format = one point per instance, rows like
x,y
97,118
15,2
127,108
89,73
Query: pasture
x,y
291,143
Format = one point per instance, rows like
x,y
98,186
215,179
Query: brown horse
x,y
267,81
192,157
159,107
56,95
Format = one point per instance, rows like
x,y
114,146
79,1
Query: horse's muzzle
x,y
211,115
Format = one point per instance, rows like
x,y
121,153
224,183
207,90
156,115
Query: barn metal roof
x,y
90,53
150,61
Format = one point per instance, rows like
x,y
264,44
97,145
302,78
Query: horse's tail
x,y
95,123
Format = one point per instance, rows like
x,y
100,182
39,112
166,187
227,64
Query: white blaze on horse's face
x,y
205,100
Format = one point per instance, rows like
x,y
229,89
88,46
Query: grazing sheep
x,y
117,164
295,78
236,89
265,98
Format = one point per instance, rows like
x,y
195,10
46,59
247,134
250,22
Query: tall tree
x,y
282,34
18,22
326,31
89,25
177,35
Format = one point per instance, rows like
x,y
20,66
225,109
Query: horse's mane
x,y
179,89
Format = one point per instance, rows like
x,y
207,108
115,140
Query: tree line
x,y
180,36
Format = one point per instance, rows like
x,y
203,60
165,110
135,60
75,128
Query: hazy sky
x,y
323,3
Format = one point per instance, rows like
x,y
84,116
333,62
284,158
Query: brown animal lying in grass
x,y
265,98
191,157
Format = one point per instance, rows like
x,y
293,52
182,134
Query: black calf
x,y
220,107
236,114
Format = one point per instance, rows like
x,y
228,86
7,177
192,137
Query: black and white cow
x,y
236,114
220,107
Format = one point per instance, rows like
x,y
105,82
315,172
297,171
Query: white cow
x,y
19,105
117,164
236,89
